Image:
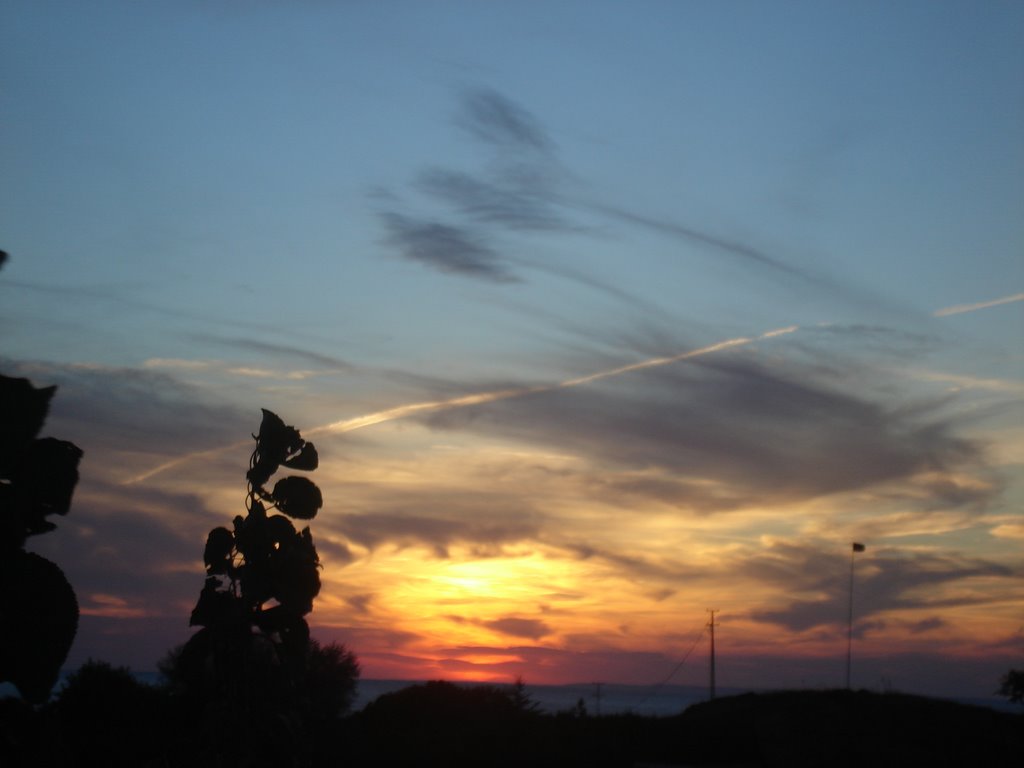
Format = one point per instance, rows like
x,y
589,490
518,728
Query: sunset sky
x,y
601,315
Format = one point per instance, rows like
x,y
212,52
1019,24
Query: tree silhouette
x,y
38,609
108,717
1012,686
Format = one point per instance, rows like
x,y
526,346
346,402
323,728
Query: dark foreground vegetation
x,y
105,717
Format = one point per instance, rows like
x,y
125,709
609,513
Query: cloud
x,y
337,552
116,411
512,626
360,603
118,295
140,548
744,428
491,117
635,566
959,382
222,367
701,237
519,190
1010,530
927,625
895,580
511,195
445,247
276,350
438,520
960,309
490,395
524,205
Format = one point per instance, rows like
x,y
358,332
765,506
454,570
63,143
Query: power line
x,y
655,688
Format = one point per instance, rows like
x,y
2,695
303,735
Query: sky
x,y
600,315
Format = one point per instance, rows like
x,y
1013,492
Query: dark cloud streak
x,y
759,431
277,350
896,581
701,237
445,247
492,118
513,207
473,519
519,193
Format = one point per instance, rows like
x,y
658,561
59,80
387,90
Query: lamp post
x,y
857,547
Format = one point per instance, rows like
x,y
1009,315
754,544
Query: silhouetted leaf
x,y
217,555
307,459
290,627
23,409
42,483
297,579
275,443
298,497
214,608
255,583
280,531
38,621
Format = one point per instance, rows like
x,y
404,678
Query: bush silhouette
x,y
107,717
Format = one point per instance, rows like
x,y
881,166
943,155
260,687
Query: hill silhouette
x,y
443,724
848,728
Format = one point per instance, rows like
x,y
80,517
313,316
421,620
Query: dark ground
x,y
440,724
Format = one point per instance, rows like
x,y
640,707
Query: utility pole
x,y
597,695
711,626
854,549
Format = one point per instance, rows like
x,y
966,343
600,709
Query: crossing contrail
x,y
480,398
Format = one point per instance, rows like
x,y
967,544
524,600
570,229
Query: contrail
x,y
961,308
431,406
401,411
181,460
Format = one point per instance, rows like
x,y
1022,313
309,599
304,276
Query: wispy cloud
x,y
762,430
224,367
511,626
525,204
441,521
445,247
957,382
700,237
521,190
959,309
897,580
120,410
495,119
328,362
481,398
413,409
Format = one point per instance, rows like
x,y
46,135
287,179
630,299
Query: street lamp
x,y
857,547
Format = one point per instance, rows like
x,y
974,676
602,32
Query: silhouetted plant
x,y
38,609
246,666
1012,686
